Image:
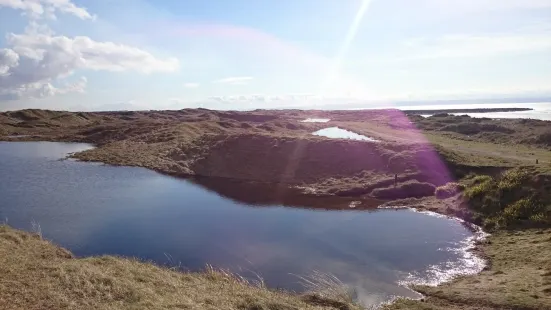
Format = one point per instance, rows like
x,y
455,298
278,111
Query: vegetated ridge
x,y
494,173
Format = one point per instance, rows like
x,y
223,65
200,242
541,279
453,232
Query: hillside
x,y
495,173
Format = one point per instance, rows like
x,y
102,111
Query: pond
x,y
95,209
339,133
316,120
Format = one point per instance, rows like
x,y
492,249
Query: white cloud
x,y
42,89
47,8
77,87
476,45
253,101
81,51
259,98
127,105
443,10
191,85
34,60
485,5
8,59
235,80
526,40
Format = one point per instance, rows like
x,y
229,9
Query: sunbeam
x,y
333,73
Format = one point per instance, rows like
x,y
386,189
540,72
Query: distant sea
x,y
541,110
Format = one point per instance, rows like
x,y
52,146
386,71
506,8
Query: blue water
x,y
95,209
541,111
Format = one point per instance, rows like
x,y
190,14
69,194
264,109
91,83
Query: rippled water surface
x,y
95,209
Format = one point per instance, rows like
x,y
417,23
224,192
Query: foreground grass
x,y
519,277
274,146
35,274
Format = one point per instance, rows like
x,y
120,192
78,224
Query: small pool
x,y
339,133
316,120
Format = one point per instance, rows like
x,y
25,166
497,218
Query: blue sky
x,y
242,54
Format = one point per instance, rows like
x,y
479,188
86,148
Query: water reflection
x,y
316,120
98,209
269,194
339,133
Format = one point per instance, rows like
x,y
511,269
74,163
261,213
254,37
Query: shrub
x,y
472,128
449,190
523,209
512,199
481,179
400,162
544,138
466,128
405,190
480,189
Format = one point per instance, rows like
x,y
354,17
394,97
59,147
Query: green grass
x,y
477,153
517,198
516,207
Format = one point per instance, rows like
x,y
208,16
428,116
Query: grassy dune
x,y
519,277
496,173
35,274
516,208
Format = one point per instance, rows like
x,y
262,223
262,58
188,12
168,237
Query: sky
x,y
245,54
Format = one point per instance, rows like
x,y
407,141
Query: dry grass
x,y
274,146
449,190
35,274
519,277
405,190
328,286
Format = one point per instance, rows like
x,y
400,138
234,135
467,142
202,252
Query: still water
x,y
316,120
95,209
541,111
339,133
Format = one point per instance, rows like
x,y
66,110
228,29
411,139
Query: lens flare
x,y
333,74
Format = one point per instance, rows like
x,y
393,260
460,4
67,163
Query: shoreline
x,y
471,242
466,110
274,147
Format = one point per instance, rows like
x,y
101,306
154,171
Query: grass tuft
x,y
449,190
35,274
327,286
